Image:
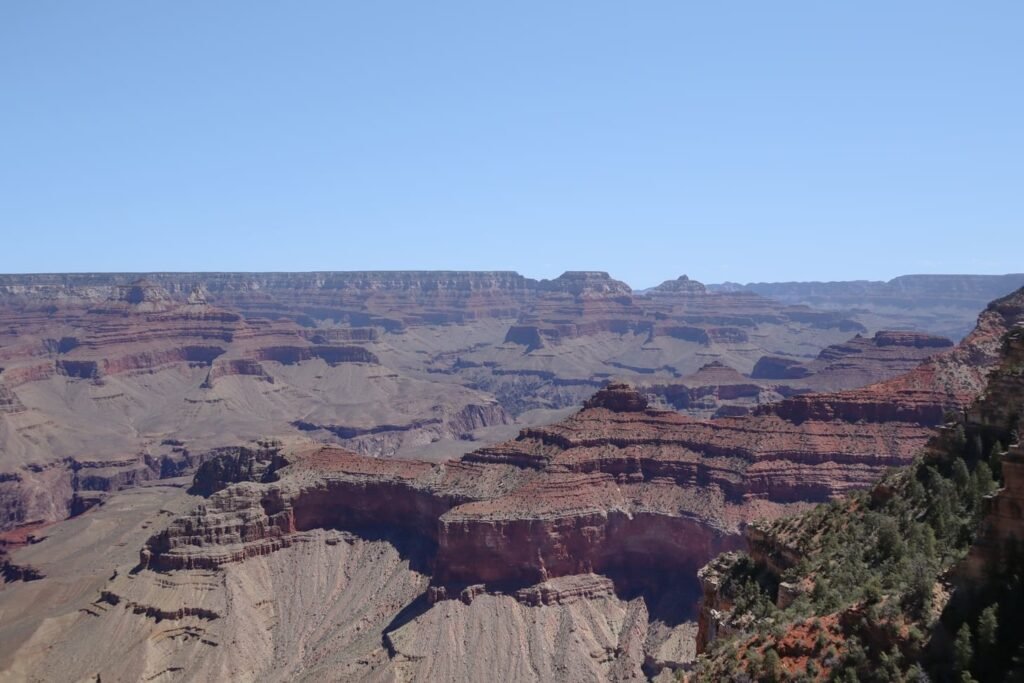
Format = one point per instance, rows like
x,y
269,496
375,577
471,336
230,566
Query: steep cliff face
x,y
141,328
863,360
395,300
501,294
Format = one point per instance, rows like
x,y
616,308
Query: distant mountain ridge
x,y
944,284
940,304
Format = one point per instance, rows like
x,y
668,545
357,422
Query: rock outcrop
x,y
233,464
618,398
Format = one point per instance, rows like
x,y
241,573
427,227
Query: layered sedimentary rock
x,y
715,389
95,379
418,297
679,309
566,344
618,491
719,390
572,492
855,362
530,344
103,368
863,360
141,327
949,380
616,483
593,526
230,465
388,299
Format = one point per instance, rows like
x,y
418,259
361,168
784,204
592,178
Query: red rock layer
x,y
141,327
572,305
387,299
949,380
681,310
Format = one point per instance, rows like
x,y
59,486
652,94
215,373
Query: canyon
x,y
388,476
109,381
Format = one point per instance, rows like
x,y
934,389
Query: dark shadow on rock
x,y
414,609
672,597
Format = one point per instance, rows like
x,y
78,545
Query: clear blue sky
x,y
728,140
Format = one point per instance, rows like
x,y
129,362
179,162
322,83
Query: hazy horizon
x,y
632,285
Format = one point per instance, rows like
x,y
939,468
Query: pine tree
x,y
917,674
988,634
986,482
942,495
972,497
963,651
